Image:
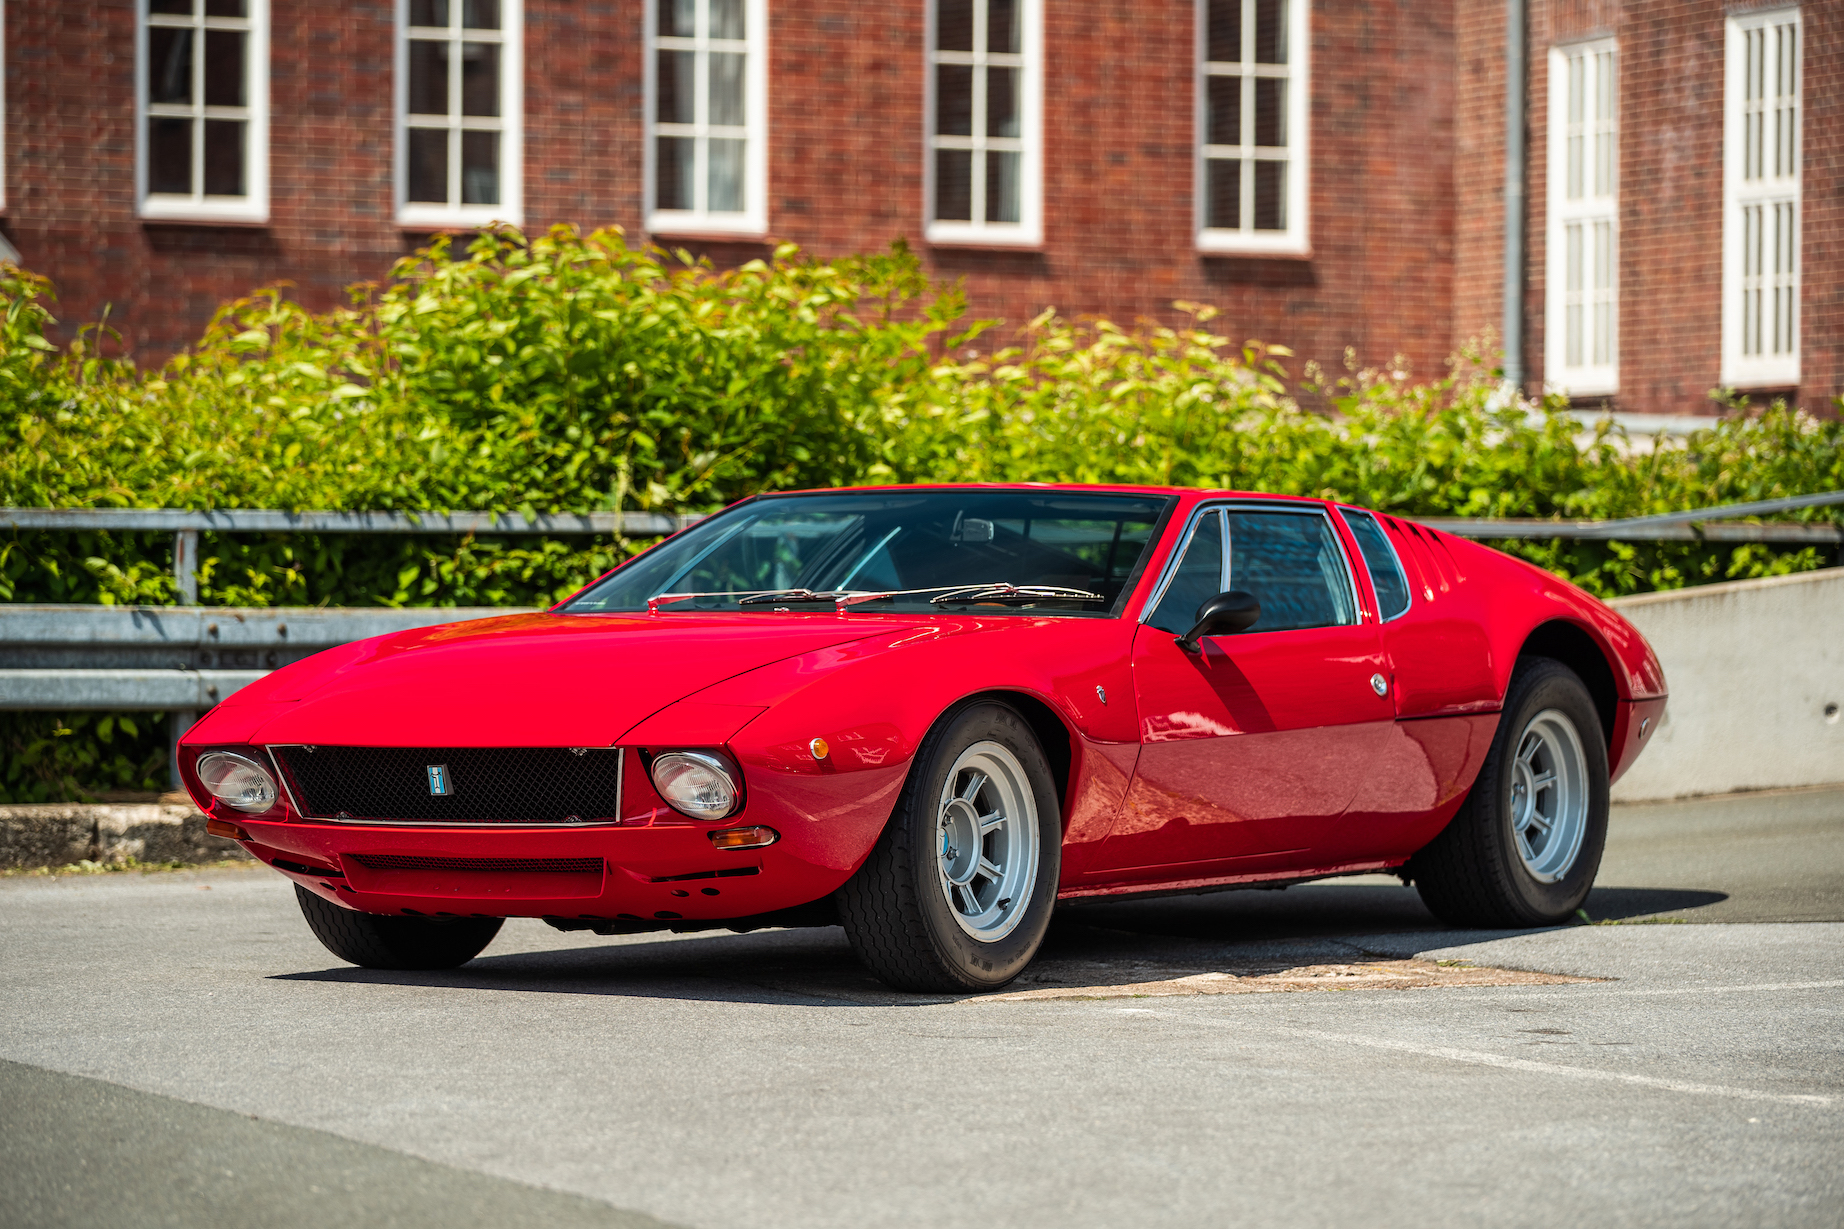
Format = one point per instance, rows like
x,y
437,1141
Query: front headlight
x,y
698,783
237,781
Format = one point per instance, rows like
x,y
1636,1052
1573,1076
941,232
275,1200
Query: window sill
x,y
971,238
750,227
193,213
694,234
1758,381
1286,249
430,219
1585,390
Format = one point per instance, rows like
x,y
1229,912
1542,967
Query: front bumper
x,y
657,873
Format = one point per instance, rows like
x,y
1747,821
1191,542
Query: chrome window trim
x,y
1170,569
1395,558
302,816
1223,508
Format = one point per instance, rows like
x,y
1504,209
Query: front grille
x,y
486,785
545,866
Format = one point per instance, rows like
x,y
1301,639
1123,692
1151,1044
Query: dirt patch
x,y
1120,981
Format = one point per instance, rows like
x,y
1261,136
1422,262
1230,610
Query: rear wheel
x,y
958,892
375,941
1526,844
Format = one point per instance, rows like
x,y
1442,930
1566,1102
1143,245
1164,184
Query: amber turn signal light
x,y
744,838
225,828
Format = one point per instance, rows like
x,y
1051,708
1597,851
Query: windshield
x,y
920,550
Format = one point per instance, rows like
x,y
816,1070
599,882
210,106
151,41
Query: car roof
x,y
1088,488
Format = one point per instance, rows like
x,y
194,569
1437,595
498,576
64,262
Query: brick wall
x,y
846,164
1671,70
1479,171
1671,97
1407,134
1822,303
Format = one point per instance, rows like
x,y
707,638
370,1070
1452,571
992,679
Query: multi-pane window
x,y
985,152
459,103
708,106
1761,189
1582,354
202,69
1251,125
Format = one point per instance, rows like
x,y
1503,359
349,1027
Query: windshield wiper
x,y
843,599
742,597
767,596
1002,592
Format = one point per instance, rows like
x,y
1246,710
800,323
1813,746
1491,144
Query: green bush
x,y
564,373
1090,402
57,757
571,373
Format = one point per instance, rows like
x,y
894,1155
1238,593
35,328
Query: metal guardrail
x,y
179,660
269,520
176,658
1697,525
185,525
182,659
185,658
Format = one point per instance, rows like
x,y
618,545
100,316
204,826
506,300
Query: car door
x,y
1440,669
1252,748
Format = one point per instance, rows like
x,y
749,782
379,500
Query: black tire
x,y
375,941
899,919
1472,874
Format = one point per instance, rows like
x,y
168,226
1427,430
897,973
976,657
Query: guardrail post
x,y
185,565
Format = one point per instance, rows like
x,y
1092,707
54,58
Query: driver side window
x,y
1293,564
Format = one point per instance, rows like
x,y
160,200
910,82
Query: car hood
x,y
521,680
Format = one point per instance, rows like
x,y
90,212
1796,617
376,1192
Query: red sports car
x,y
928,714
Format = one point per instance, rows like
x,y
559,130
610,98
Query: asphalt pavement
x,y
176,1049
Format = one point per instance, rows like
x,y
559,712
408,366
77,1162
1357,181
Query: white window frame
x,y
1583,154
753,220
1296,239
510,124
195,206
1028,230
1761,208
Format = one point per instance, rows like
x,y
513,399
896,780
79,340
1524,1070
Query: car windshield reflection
x,y
1044,552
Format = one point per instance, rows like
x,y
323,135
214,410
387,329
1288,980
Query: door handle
x,y
1379,684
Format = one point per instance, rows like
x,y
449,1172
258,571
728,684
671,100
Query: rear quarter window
x,y
1386,574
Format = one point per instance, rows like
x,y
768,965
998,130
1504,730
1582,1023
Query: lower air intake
x,y
408,862
455,785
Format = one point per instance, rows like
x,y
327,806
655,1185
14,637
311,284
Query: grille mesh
x,y
490,785
410,862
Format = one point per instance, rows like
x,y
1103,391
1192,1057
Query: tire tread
x,y
1464,875
374,941
879,907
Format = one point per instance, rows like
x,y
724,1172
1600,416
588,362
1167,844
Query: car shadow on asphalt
x,y
815,967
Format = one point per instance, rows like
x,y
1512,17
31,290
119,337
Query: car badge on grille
x,y
440,784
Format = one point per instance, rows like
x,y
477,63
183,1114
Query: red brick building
x,y
1330,173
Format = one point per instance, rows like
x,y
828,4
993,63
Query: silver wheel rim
x,y
986,841
1549,795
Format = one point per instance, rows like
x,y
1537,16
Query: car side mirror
x,y
1223,615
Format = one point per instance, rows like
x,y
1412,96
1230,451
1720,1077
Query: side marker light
x,y
225,828
820,748
744,838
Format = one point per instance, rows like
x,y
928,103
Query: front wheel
x,y
1526,844
957,894
375,941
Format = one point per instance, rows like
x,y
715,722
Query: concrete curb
x,y
59,833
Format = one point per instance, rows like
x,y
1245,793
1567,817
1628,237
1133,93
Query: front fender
x,y
874,700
